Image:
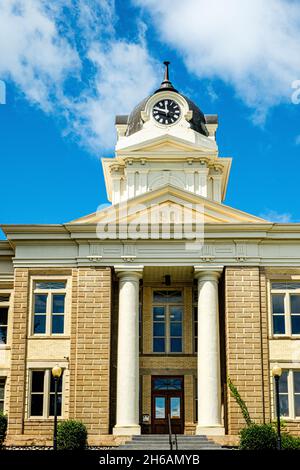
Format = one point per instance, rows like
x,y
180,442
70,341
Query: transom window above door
x,y
167,321
168,383
167,297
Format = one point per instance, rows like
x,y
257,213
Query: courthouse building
x,y
150,303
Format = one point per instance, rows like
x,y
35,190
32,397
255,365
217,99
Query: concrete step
x,y
166,437
161,442
150,449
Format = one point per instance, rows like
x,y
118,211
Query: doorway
x,y
167,399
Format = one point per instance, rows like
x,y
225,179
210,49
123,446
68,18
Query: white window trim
x,y
67,291
195,306
291,399
7,304
4,378
287,307
168,323
46,394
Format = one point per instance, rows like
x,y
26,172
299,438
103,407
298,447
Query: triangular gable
x,y
173,201
169,143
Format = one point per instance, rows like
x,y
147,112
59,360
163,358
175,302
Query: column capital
x,y
131,272
208,272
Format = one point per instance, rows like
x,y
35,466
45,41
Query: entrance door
x,y
167,399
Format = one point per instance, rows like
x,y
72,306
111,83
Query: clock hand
x,y
160,109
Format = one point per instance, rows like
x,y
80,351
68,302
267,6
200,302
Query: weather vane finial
x,y
166,84
167,63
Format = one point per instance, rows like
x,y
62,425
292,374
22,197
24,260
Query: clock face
x,y
166,111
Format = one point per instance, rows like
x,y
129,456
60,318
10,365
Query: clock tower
x,y
166,140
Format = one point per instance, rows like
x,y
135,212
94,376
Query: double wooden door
x,y
167,400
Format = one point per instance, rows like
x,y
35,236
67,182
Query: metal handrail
x,y
170,435
170,432
176,443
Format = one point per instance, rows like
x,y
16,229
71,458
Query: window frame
x,y
167,337
46,393
49,303
2,400
290,393
195,319
6,304
287,308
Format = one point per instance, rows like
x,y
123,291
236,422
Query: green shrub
x,y
71,435
3,427
258,437
289,442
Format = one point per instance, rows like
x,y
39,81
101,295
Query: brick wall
x,y
18,353
90,348
246,344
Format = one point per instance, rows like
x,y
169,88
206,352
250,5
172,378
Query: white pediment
x,y
187,142
166,205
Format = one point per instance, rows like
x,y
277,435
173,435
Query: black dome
x,y
135,122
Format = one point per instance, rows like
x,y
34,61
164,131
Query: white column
x,y
190,180
217,188
128,353
202,188
209,375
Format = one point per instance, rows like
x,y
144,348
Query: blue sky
x,y
69,68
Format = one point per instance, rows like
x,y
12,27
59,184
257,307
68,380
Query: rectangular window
x,y
296,377
195,318
175,315
159,329
42,394
295,314
284,394
140,321
3,324
52,396
289,394
40,311
49,307
285,302
196,399
195,329
167,322
160,407
2,393
4,310
37,393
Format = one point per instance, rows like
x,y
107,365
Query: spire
x,y
166,84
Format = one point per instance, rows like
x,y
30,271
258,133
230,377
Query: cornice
x,y
68,233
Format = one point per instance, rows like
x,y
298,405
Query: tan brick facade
x,y
247,344
18,353
90,348
86,391
90,380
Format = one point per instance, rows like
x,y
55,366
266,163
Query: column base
x,y
127,430
210,430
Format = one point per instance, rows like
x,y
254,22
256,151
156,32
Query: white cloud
x,y
125,75
212,93
32,53
45,45
253,45
276,217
